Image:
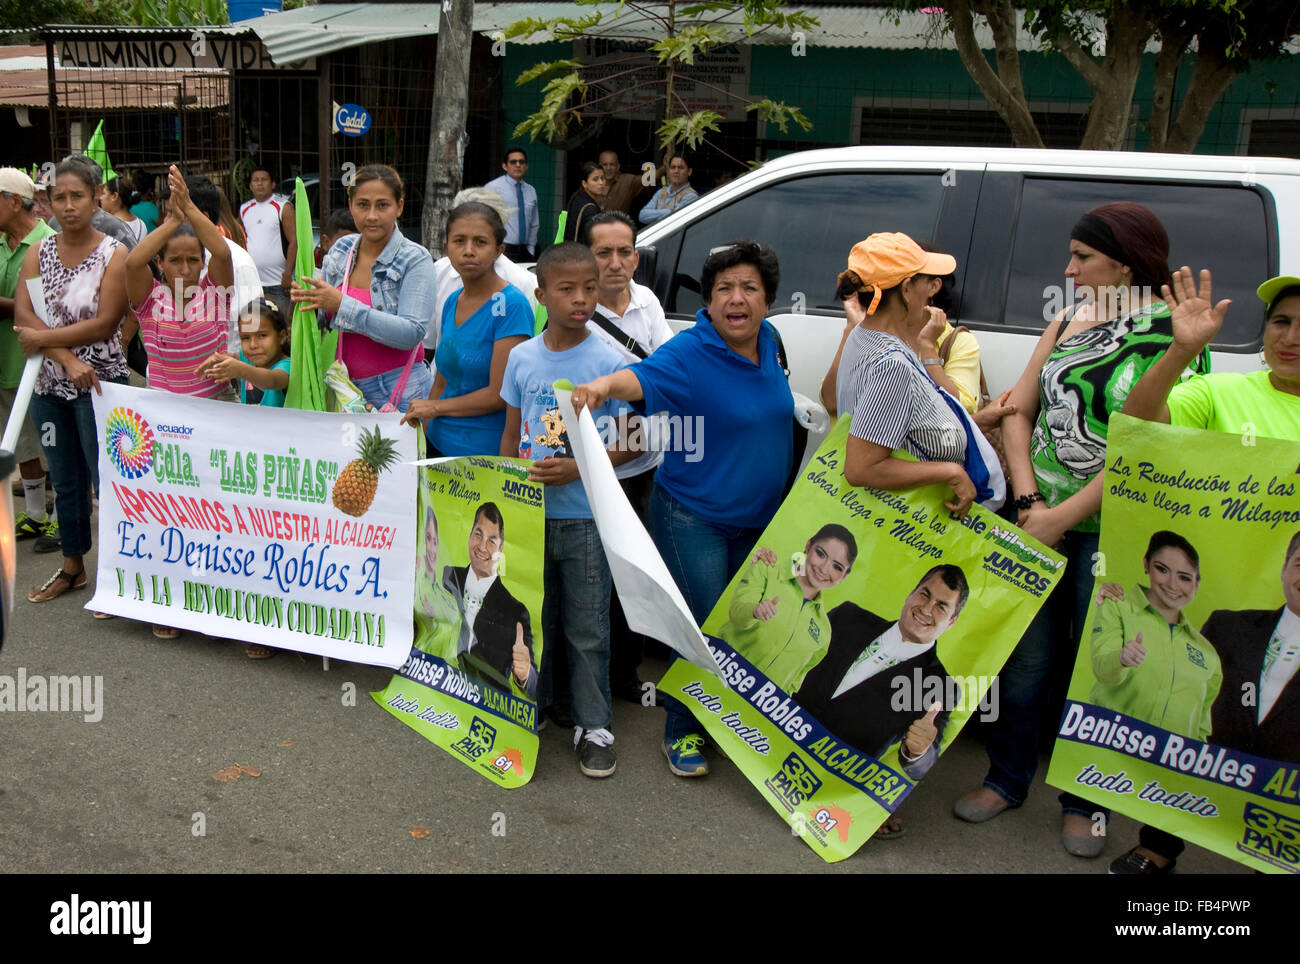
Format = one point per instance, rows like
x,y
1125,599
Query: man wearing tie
x,y
522,225
853,690
1260,651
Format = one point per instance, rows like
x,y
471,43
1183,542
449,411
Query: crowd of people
x,y
906,378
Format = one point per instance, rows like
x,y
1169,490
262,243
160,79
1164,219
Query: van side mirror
x,y
645,270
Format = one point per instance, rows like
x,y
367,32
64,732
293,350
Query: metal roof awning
x,y
297,35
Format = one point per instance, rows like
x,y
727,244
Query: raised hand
x,y
928,338
180,206
1195,318
764,555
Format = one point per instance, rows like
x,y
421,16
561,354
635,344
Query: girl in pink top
x,y
182,318
178,341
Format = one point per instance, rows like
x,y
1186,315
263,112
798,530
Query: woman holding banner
x,y
83,279
1265,402
710,504
879,381
377,288
1080,372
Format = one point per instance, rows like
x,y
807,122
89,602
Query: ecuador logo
x,y
129,441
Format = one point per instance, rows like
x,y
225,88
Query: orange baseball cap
x,y
885,260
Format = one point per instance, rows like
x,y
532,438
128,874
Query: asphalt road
x,y
342,786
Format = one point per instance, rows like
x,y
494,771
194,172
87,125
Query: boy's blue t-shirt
x,y
464,360
735,476
270,397
531,373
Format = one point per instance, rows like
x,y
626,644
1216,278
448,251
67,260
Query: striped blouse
x,y
892,400
176,347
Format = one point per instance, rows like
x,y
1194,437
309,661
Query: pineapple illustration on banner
x,y
287,528
354,489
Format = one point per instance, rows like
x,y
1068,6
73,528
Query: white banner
x,y
287,528
652,603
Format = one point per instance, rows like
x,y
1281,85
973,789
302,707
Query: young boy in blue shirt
x,y
575,610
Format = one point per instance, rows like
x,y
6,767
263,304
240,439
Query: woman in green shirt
x,y
1150,663
437,614
777,619
1269,400
1265,402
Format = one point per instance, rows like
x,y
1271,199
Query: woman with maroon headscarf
x,y
1081,371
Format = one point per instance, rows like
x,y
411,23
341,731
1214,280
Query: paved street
x,y
341,787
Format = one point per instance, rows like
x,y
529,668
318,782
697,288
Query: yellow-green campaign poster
x,y
470,684
1182,710
864,632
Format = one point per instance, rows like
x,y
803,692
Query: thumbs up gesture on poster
x,y
766,609
1133,652
922,733
519,655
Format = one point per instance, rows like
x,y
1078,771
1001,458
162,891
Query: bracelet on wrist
x,y
932,361
1026,501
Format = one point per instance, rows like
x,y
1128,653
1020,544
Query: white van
x,y
1004,213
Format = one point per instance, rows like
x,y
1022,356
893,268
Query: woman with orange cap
x,y
881,383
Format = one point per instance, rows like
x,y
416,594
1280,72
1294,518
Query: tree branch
x,y
1002,20
1211,78
1173,41
1010,104
1079,58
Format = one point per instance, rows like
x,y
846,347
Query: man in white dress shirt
x,y
629,317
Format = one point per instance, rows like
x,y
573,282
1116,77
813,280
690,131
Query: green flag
x,y
97,151
309,353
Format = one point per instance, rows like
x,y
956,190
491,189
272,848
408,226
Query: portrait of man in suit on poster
x,y
854,690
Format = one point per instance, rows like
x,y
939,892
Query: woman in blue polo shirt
x,y
724,473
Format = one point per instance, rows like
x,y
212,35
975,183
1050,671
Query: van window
x,y
811,223
1223,227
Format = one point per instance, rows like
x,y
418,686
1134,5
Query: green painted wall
x,y
825,81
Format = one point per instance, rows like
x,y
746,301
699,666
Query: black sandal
x,y
59,583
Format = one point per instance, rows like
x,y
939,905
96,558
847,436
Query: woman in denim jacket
x,y
377,288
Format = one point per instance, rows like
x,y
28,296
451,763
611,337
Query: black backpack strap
x,y
608,326
781,358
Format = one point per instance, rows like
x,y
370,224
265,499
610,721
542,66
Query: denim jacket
x,y
402,292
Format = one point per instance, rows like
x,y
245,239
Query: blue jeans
x,y
575,614
1030,680
702,557
73,458
378,389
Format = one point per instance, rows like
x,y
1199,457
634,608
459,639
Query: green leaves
x,y
779,113
551,119
682,48
560,28
690,129
545,68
